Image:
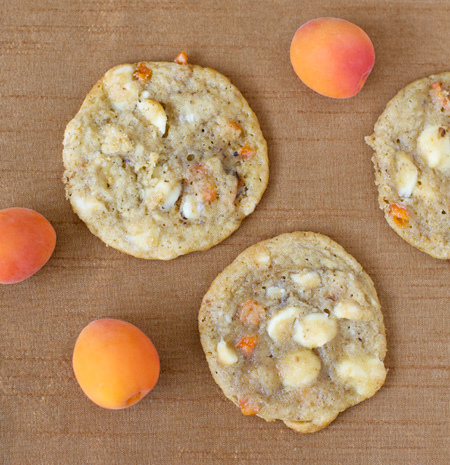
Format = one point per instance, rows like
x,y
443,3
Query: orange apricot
x,y
251,313
247,345
115,363
248,407
332,56
399,215
27,241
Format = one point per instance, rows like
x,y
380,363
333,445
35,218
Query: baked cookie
x,y
411,141
164,159
293,331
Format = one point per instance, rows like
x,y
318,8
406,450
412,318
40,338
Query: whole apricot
x,y
332,56
115,363
27,241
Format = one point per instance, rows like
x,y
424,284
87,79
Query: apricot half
x,y
27,241
332,56
115,363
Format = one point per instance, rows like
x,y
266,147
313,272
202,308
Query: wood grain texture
x,y
51,53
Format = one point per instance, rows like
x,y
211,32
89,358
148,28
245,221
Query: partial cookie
x,y
164,159
293,331
411,140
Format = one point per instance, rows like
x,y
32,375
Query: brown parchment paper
x,y
321,179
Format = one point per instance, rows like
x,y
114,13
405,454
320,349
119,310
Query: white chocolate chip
x,y
351,310
330,264
280,325
226,354
144,240
86,206
315,330
306,279
122,90
263,258
191,207
189,118
154,113
434,148
172,197
299,368
365,373
406,177
275,292
165,193
116,141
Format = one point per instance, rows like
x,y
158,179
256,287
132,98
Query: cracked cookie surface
x,y
411,140
293,331
163,159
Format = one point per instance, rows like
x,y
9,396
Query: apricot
x,y
27,241
332,56
115,363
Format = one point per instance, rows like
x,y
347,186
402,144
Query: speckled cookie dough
x,y
411,141
293,331
164,159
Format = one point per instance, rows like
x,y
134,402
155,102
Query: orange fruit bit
x,y
235,126
399,215
248,407
247,345
181,59
142,73
208,192
246,152
251,313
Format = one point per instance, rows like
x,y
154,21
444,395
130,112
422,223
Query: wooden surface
x,y
51,53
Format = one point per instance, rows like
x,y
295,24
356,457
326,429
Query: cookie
x,y
411,141
292,330
163,159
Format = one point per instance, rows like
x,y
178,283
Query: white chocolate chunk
x,y
226,354
263,258
154,113
351,310
144,240
365,373
315,330
434,148
406,176
280,326
275,292
188,118
116,141
164,193
330,264
86,206
190,207
172,197
299,368
306,279
122,90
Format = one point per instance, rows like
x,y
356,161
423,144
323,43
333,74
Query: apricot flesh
x,y
27,241
332,56
115,363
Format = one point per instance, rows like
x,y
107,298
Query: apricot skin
x,y
27,241
332,56
115,363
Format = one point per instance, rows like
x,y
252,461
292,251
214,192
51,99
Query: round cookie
x,y
163,159
411,141
292,330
